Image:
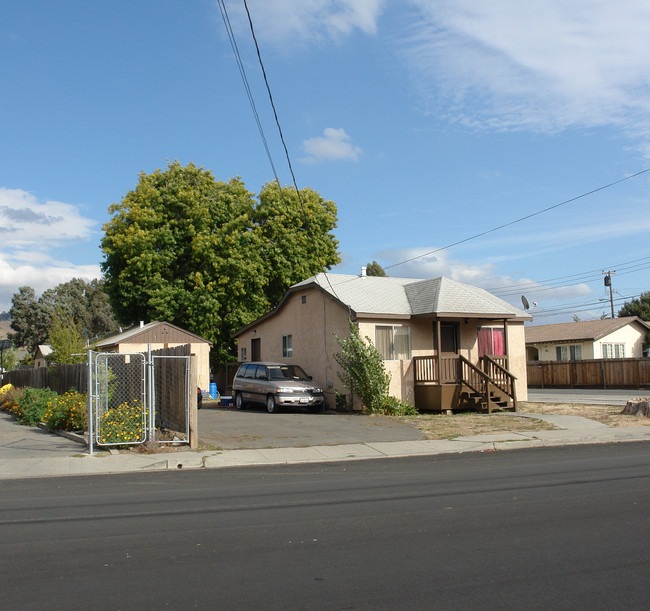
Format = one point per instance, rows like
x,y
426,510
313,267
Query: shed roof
x,y
587,330
152,332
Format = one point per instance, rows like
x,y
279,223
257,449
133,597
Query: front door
x,y
256,350
449,337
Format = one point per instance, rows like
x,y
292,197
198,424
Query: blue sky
x,y
427,122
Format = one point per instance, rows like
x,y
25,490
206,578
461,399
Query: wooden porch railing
x,y
500,376
491,375
426,370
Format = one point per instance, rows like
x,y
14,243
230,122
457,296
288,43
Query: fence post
x,y
89,392
194,415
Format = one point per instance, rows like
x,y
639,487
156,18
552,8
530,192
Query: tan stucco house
x,y
444,343
161,335
590,339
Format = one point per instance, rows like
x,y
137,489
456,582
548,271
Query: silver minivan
x,y
276,385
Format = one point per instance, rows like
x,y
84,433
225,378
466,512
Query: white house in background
x,y
591,339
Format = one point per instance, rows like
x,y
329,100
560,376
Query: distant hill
x,y
5,328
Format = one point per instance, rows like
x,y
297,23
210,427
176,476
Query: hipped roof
x,y
384,296
379,295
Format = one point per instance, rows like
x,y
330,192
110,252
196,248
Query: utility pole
x,y
608,282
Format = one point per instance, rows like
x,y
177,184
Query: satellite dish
x,y
525,302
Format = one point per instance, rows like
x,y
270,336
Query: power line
x,y
519,220
277,120
249,93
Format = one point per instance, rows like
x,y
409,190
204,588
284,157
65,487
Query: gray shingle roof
x,y
587,330
412,296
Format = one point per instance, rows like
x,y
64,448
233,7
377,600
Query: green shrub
x,y
68,412
33,404
391,406
363,372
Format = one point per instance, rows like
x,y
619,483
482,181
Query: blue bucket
x,y
213,390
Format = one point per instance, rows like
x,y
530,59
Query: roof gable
x,y
150,333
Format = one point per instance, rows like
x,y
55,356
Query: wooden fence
x,y
592,373
60,378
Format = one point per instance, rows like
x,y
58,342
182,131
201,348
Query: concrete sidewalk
x,y
573,430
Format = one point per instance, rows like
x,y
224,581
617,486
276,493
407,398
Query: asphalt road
x,y
553,528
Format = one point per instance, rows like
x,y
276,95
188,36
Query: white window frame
x,y
390,353
242,353
613,350
287,346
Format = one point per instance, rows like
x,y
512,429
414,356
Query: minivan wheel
x,y
239,401
271,407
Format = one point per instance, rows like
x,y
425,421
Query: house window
x,y
613,351
287,346
303,299
568,353
491,341
242,354
393,342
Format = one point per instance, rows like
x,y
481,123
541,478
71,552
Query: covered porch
x,y
468,368
453,382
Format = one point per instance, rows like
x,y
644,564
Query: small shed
x,y
43,351
161,335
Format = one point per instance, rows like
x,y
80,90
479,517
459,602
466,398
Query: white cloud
x,y
484,275
26,221
541,64
29,232
309,21
334,144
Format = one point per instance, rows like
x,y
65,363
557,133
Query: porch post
x,y
505,343
438,344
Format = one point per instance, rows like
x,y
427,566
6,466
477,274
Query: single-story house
x,y
590,339
444,343
43,351
159,335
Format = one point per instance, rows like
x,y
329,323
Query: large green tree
x,y
66,340
637,307
296,238
30,319
374,269
206,255
84,303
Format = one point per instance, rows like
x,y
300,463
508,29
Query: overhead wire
x,y
277,120
519,220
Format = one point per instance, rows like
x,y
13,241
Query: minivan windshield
x,y
287,372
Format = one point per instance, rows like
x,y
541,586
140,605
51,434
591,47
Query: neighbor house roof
x,y
151,333
588,330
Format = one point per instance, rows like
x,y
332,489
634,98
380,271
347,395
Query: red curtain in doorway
x,y
491,341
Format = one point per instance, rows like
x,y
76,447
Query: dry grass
x,y
464,424
607,414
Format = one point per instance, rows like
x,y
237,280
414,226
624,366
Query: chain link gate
x,y
137,397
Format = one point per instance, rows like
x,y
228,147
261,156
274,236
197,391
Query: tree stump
x,y
637,407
